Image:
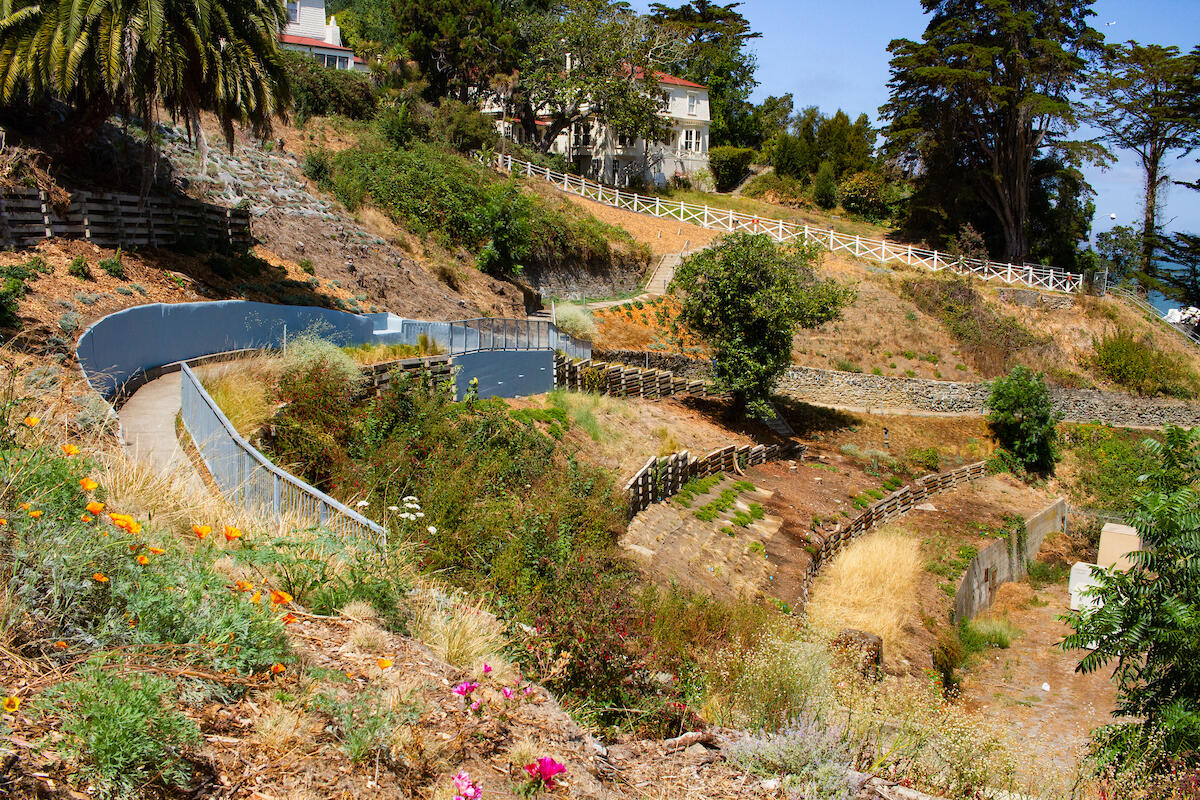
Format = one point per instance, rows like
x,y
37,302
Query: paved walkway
x,y
148,424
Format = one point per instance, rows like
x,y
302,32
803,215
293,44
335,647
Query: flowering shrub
x,y
541,775
816,758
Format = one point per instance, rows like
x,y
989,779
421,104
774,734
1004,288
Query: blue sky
x,y
834,54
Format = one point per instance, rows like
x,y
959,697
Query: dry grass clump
x,y
359,611
281,728
575,320
870,586
459,632
367,636
242,389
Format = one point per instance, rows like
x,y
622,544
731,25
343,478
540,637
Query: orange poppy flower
x,y
279,597
278,669
85,518
100,577
3,522
35,514
11,704
70,449
25,506
288,618
383,663
133,548
256,598
94,507
244,586
232,533
61,645
143,560
158,551
202,531
87,484
31,420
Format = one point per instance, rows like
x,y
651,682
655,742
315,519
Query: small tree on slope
x,y
747,297
1022,417
1149,623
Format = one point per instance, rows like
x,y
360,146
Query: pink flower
x,y
475,706
466,789
508,693
465,688
528,690
543,770
487,668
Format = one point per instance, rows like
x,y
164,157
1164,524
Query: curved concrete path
x,y
148,429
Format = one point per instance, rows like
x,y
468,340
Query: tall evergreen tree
x,y
983,93
716,56
1139,97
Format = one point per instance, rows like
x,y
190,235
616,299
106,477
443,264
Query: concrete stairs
x,y
671,543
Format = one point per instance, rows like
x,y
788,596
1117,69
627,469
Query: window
x,y
343,62
332,61
583,135
693,104
666,102
691,139
293,9
624,140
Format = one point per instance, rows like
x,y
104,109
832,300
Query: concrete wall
x,y
830,387
505,373
114,349
1005,560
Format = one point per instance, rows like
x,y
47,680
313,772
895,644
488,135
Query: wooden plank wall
x,y
621,380
662,477
379,376
895,505
120,220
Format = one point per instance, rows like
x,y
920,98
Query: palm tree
x,y
134,56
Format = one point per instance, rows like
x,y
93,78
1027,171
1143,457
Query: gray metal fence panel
x,y
248,479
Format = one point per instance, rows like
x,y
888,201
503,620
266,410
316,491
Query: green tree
x,y
1022,418
715,37
1120,251
983,93
728,165
1147,620
825,186
592,61
747,296
108,57
1139,98
458,44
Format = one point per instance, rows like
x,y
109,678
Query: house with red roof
x,y
607,155
308,30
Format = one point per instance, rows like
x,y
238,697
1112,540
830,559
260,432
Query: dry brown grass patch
x,y
283,728
871,586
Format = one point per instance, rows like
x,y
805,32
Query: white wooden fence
x,y
880,250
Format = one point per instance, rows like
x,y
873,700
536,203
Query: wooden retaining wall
x,y
621,380
120,220
379,376
895,505
663,476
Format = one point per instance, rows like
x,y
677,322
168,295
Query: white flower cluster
x,y
412,511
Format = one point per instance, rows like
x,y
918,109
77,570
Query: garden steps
x,y
671,543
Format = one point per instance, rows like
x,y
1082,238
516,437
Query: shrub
x,y
319,92
728,165
773,682
113,266
1138,366
78,268
983,632
306,266
123,730
575,320
365,723
1022,417
825,186
1110,461
927,458
772,187
843,365
69,322
463,127
863,193
949,655
815,755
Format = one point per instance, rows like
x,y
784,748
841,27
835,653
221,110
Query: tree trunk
x,y
1149,222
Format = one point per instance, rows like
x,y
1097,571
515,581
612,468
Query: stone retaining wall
x,y
857,390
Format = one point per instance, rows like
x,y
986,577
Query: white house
x,y
607,155
310,31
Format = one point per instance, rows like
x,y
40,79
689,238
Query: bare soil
x,y
1007,685
662,235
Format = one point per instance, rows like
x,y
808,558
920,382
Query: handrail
x,y
241,472
1144,306
728,220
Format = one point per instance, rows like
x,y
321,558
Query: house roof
x,y
670,80
306,41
